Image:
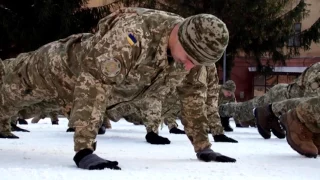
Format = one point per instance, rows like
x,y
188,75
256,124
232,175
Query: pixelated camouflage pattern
x,y
204,37
282,107
306,108
171,108
308,112
132,113
89,73
173,104
37,118
223,99
76,70
283,97
5,127
145,71
106,122
199,104
307,85
310,81
229,86
243,110
52,115
212,101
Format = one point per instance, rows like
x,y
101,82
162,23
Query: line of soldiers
x,y
136,60
287,110
170,112
137,56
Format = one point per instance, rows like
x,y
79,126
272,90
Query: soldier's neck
x,y
173,38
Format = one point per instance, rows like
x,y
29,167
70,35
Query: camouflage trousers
x,y
308,110
172,111
53,116
106,122
215,126
237,121
134,114
243,111
26,113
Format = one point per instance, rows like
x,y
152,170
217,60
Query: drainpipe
x,y
224,67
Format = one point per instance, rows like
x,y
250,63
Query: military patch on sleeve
x,y
110,66
131,39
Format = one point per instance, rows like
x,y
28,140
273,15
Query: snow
x,y
46,153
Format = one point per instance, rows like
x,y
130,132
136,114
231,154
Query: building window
x,y
263,84
295,40
258,91
271,80
259,82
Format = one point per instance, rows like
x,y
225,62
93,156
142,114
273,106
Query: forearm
x,y
88,107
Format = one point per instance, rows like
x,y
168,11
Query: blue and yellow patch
x,y
131,39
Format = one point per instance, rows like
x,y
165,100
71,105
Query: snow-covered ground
x,y
47,151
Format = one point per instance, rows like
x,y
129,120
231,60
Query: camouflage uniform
x,y
309,83
308,112
5,125
306,85
199,101
26,113
132,112
106,122
243,110
222,98
37,118
53,116
125,60
228,86
299,116
171,108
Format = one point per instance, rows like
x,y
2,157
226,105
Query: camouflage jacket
x,y
127,60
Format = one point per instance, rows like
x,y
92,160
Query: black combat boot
x,y
154,138
70,129
226,124
8,135
14,127
55,122
102,130
22,121
176,130
223,138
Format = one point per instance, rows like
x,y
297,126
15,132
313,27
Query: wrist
x,y
81,154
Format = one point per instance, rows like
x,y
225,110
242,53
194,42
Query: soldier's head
x,y
228,88
200,40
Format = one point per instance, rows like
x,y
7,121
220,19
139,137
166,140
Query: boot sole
x,y
290,142
279,131
278,134
261,131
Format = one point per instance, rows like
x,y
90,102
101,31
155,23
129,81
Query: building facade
x,y
251,84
